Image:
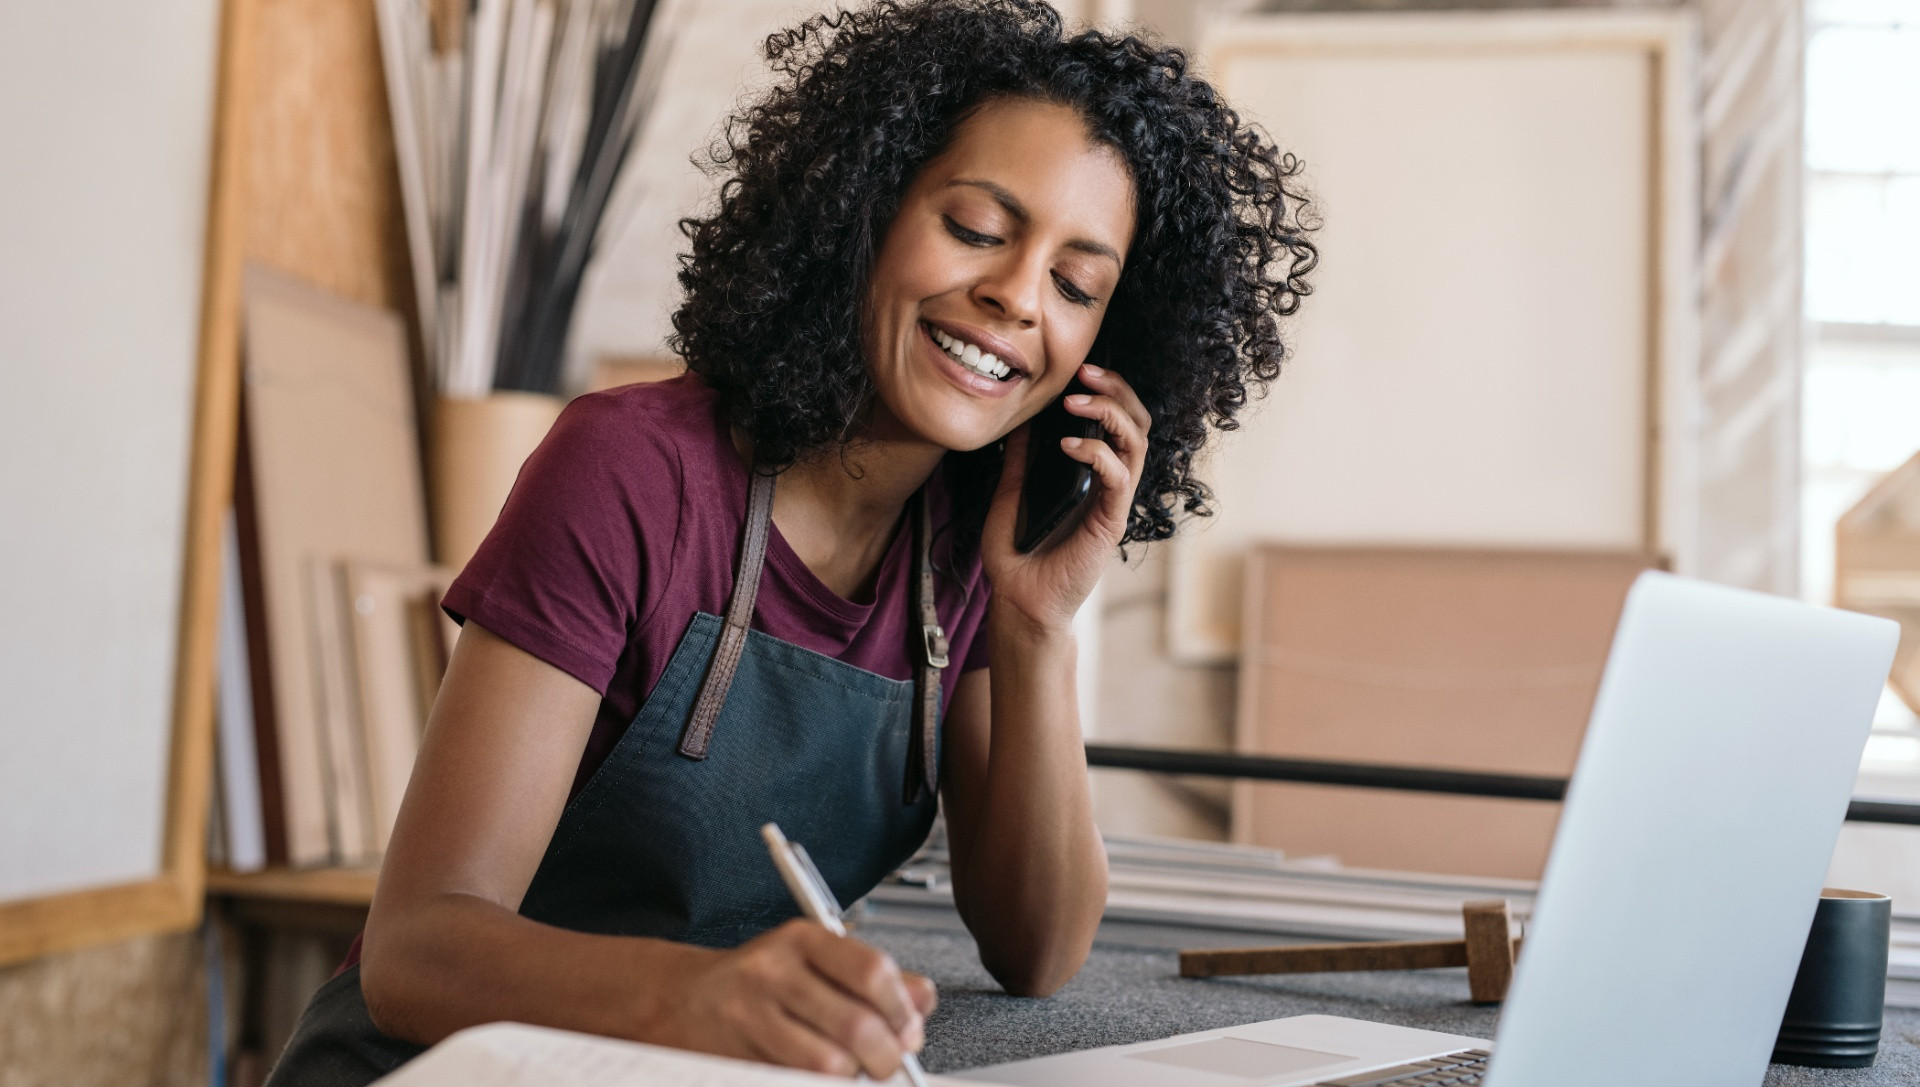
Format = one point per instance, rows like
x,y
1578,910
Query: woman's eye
x,y
969,237
1070,292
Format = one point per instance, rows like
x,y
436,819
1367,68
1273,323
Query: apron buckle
x,y
934,637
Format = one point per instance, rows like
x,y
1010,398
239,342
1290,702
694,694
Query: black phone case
x,y
1056,484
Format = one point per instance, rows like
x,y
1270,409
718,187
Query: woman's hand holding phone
x,y
1048,584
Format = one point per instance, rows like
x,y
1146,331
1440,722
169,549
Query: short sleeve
x,y
587,528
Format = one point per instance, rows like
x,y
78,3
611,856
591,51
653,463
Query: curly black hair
x,y
776,276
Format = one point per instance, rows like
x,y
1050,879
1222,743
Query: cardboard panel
x,y
1506,376
398,662
1463,659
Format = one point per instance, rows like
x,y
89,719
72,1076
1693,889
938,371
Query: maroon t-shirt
x,y
628,519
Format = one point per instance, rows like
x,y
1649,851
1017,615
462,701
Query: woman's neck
x,y
839,509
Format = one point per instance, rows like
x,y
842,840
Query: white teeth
x,y
970,355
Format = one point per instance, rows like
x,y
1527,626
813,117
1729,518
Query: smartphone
x,y
1057,487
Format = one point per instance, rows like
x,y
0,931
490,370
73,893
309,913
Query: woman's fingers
x,y
1123,431
836,992
803,997
850,1025
778,1037
1106,464
1120,412
871,977
1106,381
1116,481
1118,460
921,988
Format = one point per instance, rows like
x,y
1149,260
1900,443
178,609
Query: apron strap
x,y
929,638
733,635
929,650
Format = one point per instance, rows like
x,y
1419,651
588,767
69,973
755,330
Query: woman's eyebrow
x,y
1019,211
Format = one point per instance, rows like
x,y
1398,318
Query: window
x,y
1862,372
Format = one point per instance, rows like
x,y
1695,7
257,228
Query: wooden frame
x,y
173,899
1201,584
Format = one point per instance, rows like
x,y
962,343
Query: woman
x,y
942,211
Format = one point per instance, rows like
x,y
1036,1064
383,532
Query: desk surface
x,y
1129,993
1130,989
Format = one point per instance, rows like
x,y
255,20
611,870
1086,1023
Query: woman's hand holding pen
x,y
1047,586
803,997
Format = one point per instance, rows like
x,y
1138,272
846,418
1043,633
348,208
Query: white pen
x,y
816,900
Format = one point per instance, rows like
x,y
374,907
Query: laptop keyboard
x,y
1464,1067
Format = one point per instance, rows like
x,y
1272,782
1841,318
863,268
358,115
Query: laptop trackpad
x,y
1240,1057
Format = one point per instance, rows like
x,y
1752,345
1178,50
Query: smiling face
x,y
990,285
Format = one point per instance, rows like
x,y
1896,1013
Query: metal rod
x,y
1226,764
1883,811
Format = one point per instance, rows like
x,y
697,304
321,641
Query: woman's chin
x,y
960,439
958,427
963,433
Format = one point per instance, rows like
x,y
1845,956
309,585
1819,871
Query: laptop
x,y
1712,782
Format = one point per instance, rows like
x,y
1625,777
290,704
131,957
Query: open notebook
x,y
517,1055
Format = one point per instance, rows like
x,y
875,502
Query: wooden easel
x,y
1487,952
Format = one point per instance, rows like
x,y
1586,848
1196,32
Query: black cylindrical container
x,y
1833,1016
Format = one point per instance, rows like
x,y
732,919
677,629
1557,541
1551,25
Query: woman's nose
x,y
1011,291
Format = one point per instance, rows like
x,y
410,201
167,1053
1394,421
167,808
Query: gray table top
x,y
1131,991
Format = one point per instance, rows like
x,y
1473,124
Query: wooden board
x,y
1497,351
1448,658
397,667
335,469
321,886
327,199
346,775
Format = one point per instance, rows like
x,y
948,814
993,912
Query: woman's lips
x,y
976,384
996,352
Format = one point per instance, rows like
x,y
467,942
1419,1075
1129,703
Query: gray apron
x,y
664,841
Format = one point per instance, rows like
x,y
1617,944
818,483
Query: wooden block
x,y
1877,566
1487,952
1322,958
1489,946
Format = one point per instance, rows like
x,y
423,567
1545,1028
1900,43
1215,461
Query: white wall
x,y
105,117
